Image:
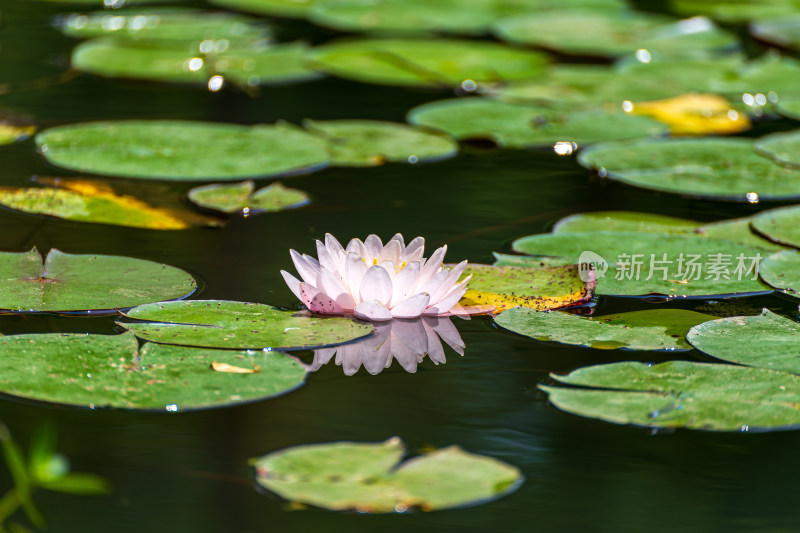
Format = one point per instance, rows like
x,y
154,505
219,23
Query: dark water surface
x,y
189,471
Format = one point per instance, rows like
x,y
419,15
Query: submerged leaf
x,y
242,197
110,371
242,325
182,150
66,282
366,477
682,394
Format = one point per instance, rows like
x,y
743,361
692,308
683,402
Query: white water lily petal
x,y
433,285
405,282
404,355
431,267
412,334
307,269
321,357
336,251
374,246
326,260
393,252
293,283
352,356
411,307
449,281
319,302
415,250
435,351
357,247
447,331
335,289
376,285
443,306
354,271
378,355
372,310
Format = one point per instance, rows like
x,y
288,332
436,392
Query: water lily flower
x,y
404,341
377,282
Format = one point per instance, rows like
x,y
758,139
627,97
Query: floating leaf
x,y
782,271
695,114
614,33
67,282
782,148
734,11
782,31
281,8
427,63
624,221
725,169
86,201
646,263
366,477
355,143
789,106
242,325
738,230
242,197
781,225
771,75
535,288
15,128
682,394
110,371
179,63
181,150
517,126
765,341
664,329
167,24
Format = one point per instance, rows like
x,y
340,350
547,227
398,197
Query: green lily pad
x,y
179,63
624,221
735,11
789,106
782,31
711,397
355,143
765,341
67,282
243,197
738,230
426,63
782,271
280,8
779,225
664,329
614,33
167,24
677,264
725,169
239,325
110,371
782,148
518,126
367,478
181,150
536,288
771,74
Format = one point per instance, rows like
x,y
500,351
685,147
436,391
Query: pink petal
x,y
377,356
449,282
321,357
411,307
293,283
351,358
435,351
403,355
336,251
372,310
306,269
445,329
333,288
443,306
412,334
326,260
391,252
374,246
319,302
415,250
405,282
376,285
354,270
357,247
431,267
399,238
434,283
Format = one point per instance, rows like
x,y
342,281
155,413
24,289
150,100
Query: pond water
x,y
189,471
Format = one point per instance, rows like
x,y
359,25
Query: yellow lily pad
x,y
693,114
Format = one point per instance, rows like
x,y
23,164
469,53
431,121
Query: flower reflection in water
x,y
407,341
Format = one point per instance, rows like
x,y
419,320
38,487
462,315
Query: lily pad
x,y
67,282
781,31
663,329
243,197
280,8
783,148
85,201
534,288
110,371
367,478
615,33
772,75
695,114
356,143
725,169
738,230
781,225
519,126
426,63
765,341
179,63
624,221
675,394
676,264
735,11
167,24
182,150
782,271
789,106
239,325
15,128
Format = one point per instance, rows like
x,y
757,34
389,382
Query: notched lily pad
x,y
724,169
66,282
366,477
782,271
182,150
239,325
245,199
765,341
783,148
534,288
110,371
663,329
781,225
356,143
712,397
426,63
